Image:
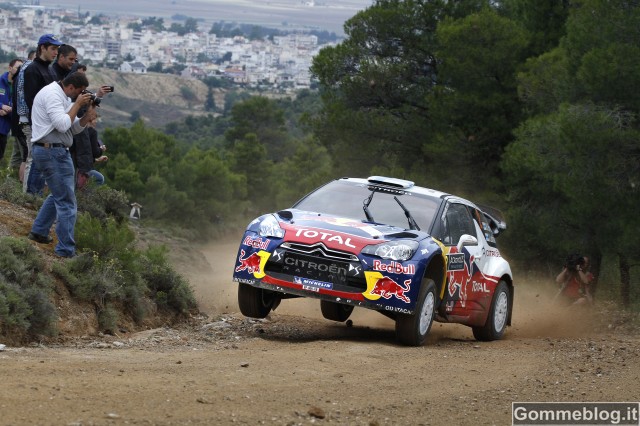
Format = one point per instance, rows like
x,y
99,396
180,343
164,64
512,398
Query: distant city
x,y
280,61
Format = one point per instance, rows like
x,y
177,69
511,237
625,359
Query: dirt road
x,y
297,368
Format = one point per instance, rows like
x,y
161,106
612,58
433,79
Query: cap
x,y
50,39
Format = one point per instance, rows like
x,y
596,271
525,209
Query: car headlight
x,y
394,250
269,227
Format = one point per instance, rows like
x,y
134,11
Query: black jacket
x,y
85,149
36,76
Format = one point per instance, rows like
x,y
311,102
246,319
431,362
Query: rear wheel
x,y
255,302
496,323
335,311
412,330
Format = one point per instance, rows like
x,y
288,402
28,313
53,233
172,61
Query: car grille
x,y
319,250
317,262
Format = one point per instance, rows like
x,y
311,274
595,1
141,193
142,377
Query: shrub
x,y
25,291
168,288
111,273
11,190
102,202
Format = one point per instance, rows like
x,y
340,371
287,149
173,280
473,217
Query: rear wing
x,y
495,218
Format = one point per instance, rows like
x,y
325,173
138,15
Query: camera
x,y
95,100
574,261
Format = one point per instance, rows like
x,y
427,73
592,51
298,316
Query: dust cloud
x,y
535,313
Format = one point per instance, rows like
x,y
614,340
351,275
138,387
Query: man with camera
x,y
54,122
575,280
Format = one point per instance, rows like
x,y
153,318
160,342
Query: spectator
x,y
35,76
65,63
6,103
19,144
575,280
87,150
54,118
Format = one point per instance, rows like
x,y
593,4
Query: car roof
x,y
408,186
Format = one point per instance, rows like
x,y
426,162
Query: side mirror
x,y
467,240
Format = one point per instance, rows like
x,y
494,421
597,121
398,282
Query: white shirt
x,y
49,116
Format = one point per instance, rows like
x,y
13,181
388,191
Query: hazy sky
x,y
325,14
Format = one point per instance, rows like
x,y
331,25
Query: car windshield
x,y
345,199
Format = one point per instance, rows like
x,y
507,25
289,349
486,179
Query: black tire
x,y
335,311
255,302
496,323
412,330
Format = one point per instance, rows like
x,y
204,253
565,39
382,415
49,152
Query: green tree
x,y
375,84
562,169
210,103
544,20
262,118
582,88
476,98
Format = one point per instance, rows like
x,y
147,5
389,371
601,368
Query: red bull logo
x,y
394,267
458,276
251,263
256,242
380,286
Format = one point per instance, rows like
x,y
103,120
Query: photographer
x,y
55,120
575,280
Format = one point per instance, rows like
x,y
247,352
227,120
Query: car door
x,y
462,240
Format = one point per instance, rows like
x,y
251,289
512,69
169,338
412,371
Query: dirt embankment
x,y
297,368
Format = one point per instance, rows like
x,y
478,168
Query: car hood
x,y
299,219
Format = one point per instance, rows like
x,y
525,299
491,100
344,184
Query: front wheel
x,y
496,323
255,302
412,330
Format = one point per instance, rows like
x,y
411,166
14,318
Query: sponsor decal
x,y
325,236
244,280
313,285
479,287
455,262
491,253
314,266
459,275
394,267
256,242
381,286
395,309
253,263
342,221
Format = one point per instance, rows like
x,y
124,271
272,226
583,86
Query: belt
x,y
50,145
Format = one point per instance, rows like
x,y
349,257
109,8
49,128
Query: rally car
x,y
414,254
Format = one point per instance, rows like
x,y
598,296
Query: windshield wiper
x,y
365,207
412,222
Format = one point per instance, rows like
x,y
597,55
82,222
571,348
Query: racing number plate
x,y
315,268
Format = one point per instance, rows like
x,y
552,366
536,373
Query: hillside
x,y
77,316
158,98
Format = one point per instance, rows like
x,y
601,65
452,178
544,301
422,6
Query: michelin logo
x,y
315,284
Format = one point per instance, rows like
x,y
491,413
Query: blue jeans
x,y
57,167
97,176
33,181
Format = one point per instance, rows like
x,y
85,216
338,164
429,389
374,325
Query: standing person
x,y
65,62
575,280
54,118
36,75
19,144
6,103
